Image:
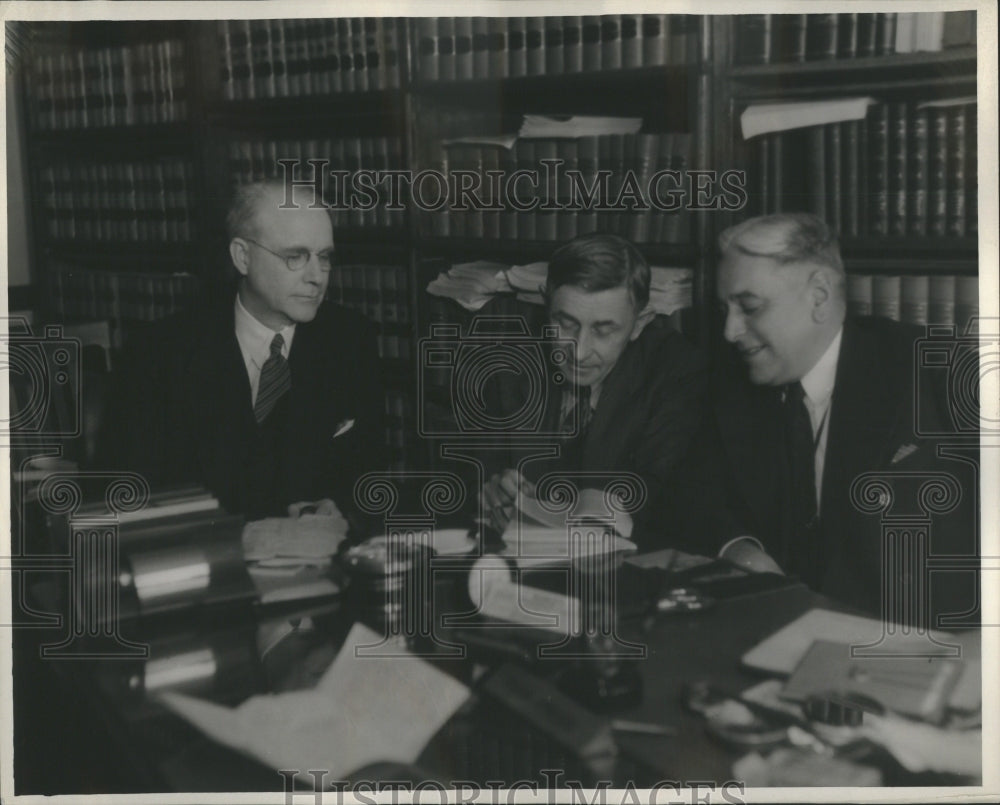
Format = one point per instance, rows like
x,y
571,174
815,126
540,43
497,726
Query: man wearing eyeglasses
x,y
268,396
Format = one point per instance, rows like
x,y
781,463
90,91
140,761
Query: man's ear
x,y
644,318
239,254
821,295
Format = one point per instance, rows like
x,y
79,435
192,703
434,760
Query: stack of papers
x,y
765,118
472,285
289,558
538,537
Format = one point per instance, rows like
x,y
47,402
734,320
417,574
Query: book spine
x,y
481,46
971,172
463,48
499,56
526,221
821,37
567,222
898,169
279,58
611,42
867,35
816,170
937,172
534,46
572,44
789,37
917,181
446,48
847,36
886,292
655,40
359,54
682,28
591,43
956,180
941,299
554,60
914,299
878,170
834,177
886,32
860,300
631,40
753,42
850,200
372,27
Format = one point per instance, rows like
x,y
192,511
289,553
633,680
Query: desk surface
x,y
163,753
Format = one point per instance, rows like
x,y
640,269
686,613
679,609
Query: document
x,y
309,537
363,710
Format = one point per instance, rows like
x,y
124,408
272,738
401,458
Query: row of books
x,y
141,201
261,159
773,38
78,293
907,169
139,84
460,48
282,58
382,293
560,173
916,299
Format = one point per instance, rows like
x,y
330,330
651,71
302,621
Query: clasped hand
x,y
498,497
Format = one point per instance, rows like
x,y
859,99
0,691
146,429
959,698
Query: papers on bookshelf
x,y
472,285
502,140
769,117
545,126
360,712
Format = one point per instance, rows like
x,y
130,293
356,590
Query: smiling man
x,y
822,399
637,393
267,395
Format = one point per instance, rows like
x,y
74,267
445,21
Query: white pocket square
x,y
904,451
343,427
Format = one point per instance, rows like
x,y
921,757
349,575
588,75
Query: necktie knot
x,y
275,380
277,344
794,393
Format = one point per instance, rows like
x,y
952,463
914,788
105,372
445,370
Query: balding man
x,y
823,399
267,395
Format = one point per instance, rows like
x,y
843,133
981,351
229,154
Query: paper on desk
x,y
362,711
311,536
589,503
782,651
765,118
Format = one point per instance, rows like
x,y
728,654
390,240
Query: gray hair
x,y
791,237
241,218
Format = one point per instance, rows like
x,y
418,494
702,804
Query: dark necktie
x,y
275,380
576,416
802,483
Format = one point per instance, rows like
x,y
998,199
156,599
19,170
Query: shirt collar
x,y
818,381
255,338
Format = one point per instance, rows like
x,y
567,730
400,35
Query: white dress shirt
x,y
255,344
818,386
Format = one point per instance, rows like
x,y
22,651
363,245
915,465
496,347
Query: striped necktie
x,y
275,380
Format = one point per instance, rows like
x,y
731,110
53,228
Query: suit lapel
x,y
751,431
863,416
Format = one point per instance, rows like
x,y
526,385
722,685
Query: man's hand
x,y
324,508
499,497
750,555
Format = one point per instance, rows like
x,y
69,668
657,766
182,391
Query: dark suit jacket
x,y
871,429
647,416
183,412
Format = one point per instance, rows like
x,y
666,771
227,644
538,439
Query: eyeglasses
x,y
297,259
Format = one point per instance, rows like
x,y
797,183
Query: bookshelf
x,y
137,130
898,182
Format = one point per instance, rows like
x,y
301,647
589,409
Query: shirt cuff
x,y
722,551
